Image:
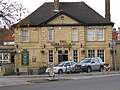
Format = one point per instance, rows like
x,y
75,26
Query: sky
x,y
97,5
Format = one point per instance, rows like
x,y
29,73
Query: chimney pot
x,y
56,5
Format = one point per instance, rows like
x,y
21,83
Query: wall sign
x,y
25,57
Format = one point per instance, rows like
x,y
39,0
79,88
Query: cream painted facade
x,y
38,45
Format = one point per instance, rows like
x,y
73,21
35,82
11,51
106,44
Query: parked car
x,y
92,64
63,67
76,69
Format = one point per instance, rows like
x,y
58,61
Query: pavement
x,y
30,79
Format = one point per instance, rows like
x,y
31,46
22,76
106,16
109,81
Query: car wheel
x,y
89,69
101,69
60,71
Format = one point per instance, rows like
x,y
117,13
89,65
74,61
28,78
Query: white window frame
x,y
100,34
95,34
4,58
74,35
50,35
51,56
90,35
91,53
25,36
100,53
75,55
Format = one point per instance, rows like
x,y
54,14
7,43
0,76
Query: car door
x,y
93,64
98,64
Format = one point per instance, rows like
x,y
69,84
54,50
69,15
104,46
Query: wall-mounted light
x,y
60,28
82,46
34,28
73,27
16,46
19,34
44,46
19,51
89,27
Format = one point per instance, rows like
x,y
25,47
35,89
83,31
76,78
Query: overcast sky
x,y
97,5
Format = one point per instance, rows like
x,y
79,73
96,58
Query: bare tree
x,y
11,13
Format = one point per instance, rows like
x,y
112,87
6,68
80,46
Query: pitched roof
x,y
80,11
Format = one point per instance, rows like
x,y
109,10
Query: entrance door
x,y
62,56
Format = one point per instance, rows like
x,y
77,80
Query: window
x,y
100,53
50,35
75,55
50,55
100,34
25,36
95,34
4,58
91,53
74,35
90,35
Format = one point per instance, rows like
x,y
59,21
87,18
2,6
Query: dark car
x,y
92,64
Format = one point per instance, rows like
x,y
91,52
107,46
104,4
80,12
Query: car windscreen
x,y
61,64
86,61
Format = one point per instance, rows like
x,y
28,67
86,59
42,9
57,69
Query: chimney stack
x,y
107,10
56,6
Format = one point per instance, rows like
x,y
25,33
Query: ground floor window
x,y
75,55
50,55
62,55
91,53
100,53
4,57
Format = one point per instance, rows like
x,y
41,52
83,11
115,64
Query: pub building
x,y
63,31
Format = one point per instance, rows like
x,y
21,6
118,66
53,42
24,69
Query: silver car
x,y
92,64
63,67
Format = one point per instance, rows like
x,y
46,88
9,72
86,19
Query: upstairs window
x,y
50,35
74,35
25,36
100,34
90,35
95,34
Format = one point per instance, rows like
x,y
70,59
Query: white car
x,y
63,67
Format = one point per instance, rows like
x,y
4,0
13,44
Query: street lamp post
x,y
113,45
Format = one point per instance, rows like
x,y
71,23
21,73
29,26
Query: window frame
x,y
101,53
75,55
91,53
95,34
74,34
25,36
50,35
50,56
3,58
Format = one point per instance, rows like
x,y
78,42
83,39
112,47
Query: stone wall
x,y
7,69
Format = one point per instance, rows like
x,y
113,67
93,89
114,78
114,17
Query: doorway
x,y
62,56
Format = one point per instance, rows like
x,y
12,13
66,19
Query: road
x,y
96,83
